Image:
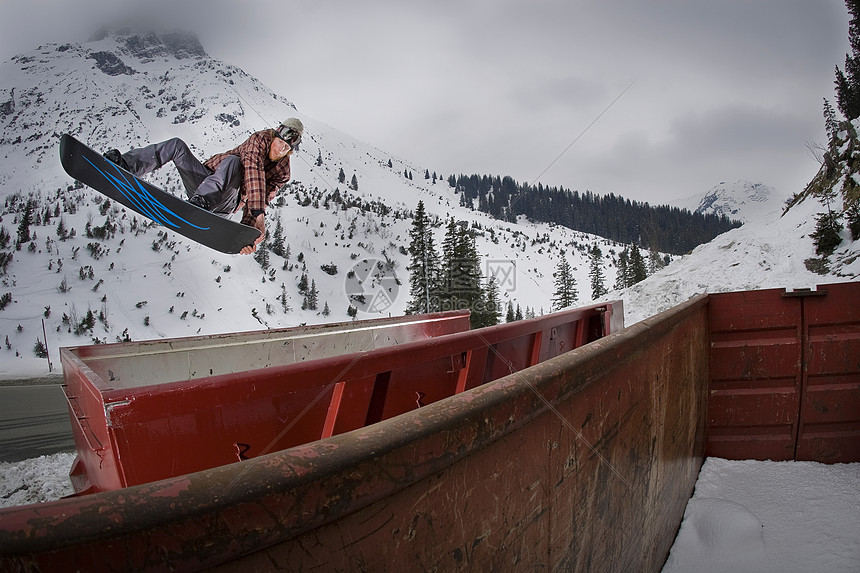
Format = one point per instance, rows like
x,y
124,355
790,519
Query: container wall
x,y
143,411
829,429
755,375
583,462
160,431
785,375
148,363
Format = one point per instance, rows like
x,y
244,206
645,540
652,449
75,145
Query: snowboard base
x,y
207,228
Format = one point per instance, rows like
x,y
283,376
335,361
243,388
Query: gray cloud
x,y
723,90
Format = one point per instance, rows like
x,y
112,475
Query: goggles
x,y
290,136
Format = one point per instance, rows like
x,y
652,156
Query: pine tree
x,y
448,282
449,244
354,183
62,232
655,262
831,126
622,273
469,269
493,306
461,284
843,93
826,235
319,161
341,176
852,216
638,271
262,254
827,227
510,316
278,239
310,301
595,272
39,349
26,221
848,83
423,267
313,296
565,294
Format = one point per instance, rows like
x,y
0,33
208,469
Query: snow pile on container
x,y
770,516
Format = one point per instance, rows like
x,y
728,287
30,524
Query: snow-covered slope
x,y
769,251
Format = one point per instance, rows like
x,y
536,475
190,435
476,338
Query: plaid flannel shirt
x,y
262,178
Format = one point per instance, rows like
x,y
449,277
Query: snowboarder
x,y
245,177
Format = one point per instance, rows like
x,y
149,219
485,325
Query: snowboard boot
x,y
114,156
199,201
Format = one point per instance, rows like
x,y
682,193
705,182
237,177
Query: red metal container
x,y
584,461
147,411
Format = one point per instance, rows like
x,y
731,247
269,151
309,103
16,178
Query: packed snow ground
x,y
780,517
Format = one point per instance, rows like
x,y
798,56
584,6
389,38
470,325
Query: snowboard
x,y
207,228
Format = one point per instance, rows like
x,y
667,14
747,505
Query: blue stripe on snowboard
x,y
143,200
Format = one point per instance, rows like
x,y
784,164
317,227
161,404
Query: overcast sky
x,y
691,92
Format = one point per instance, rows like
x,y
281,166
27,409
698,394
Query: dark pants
x,y
220,187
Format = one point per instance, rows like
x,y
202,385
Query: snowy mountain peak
x,y
121,89
739,200
146,46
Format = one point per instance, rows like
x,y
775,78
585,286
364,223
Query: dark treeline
x,y
667,229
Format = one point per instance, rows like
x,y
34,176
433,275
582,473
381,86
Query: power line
x,y
577,138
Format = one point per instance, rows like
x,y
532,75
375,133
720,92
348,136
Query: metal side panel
x,y
146,410
785,374
830,407
755,379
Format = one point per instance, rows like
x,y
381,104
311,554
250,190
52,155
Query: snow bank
x,y
768,252
35,480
